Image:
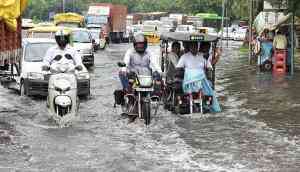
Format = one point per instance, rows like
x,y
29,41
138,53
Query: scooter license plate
x,y
144,89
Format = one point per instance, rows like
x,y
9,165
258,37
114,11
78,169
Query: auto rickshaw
x,y
151,33
174,97
42,32
69,20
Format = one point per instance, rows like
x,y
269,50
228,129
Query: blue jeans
x,y
124,80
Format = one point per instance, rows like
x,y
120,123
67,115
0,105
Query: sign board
x,y
197,38
99,10
276,5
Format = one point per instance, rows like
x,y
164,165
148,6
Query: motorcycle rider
x,y
137,59
62,52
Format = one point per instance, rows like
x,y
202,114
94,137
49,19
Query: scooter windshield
x,y
62,68
143,71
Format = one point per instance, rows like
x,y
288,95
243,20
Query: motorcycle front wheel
x,y
146,110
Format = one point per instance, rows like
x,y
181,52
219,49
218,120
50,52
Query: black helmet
x,y
62,38
140,43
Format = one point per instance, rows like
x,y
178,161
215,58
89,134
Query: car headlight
x,y
35,76
84,75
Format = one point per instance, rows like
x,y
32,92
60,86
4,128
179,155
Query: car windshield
x,y
70,25
95,34
35,52
81,37
96,19
149,28
40,35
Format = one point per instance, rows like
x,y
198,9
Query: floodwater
x,y
258,129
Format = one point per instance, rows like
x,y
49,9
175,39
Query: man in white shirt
x,y
194,59
138,60
62,52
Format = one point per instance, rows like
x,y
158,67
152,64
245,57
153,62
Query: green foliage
x,y
236,9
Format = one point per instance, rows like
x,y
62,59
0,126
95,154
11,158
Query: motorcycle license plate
x,y
144,89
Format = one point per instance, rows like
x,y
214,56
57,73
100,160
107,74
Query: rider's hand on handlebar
x,y
45,68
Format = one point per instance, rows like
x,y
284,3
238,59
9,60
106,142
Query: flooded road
x,y
258,129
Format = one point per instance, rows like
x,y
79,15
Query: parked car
x,y
32,80
83,42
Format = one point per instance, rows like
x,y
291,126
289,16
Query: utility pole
x,y
63,6
250,2
223,15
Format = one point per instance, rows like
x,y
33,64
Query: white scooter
x,y
62,100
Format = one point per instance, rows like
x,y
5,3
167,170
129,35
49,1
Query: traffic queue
x,y
53,61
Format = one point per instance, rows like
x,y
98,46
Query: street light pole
x,y
63,6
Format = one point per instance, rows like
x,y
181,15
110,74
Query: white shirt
x,y
173,58
131,54
189,61
54,51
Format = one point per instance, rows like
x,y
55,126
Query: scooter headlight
x,y
62,90
35,76
84,75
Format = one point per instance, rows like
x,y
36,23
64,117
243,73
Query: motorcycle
x,y
62,99
137,99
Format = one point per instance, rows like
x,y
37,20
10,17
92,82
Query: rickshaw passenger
x,y
195,80
186,48
205,48
173,57
193,59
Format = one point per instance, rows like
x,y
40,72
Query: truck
x,y
10,40
111,18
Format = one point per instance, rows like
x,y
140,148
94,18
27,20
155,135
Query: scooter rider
x,y
62,52
137,59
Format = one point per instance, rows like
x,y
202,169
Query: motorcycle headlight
x,y
84,75
35,76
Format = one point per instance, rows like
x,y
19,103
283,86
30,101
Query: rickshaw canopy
x,y
188,37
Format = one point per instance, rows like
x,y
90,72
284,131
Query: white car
x,y
185,29
32,80
239,35
83,42
228,33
